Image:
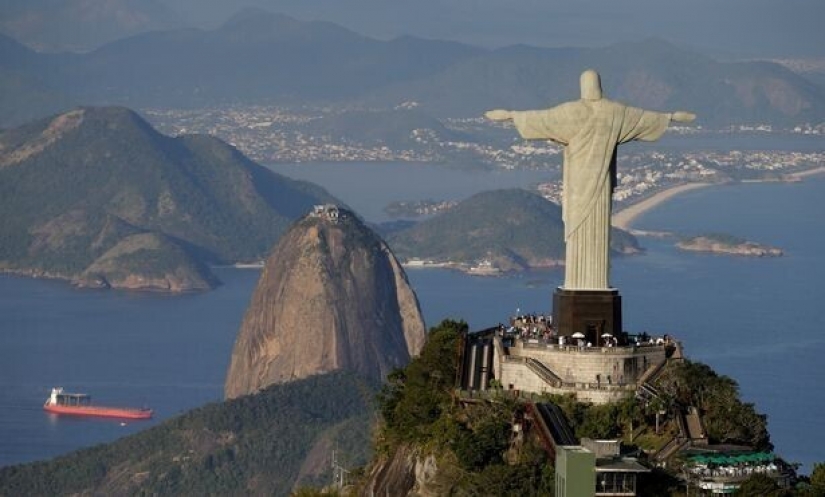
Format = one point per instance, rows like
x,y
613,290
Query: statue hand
x,y
683,117
498,115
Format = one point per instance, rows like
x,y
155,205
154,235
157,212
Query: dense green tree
x,y
600,422
415,397
816,482
818,476
419,409
726,417
521,480
255,444
484,439
760,485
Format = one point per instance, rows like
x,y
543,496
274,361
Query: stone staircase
x,y
673,447
691,432
543,372
646,392
694,426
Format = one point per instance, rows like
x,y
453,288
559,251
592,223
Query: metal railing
x,y
541,343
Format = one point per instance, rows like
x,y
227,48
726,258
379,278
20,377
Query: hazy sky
x,y
750,28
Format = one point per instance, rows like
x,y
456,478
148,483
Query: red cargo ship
x,y
80,404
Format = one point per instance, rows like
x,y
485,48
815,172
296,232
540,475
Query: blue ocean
x,y
756,320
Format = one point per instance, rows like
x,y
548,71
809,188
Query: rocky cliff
x,y
408,471
331,296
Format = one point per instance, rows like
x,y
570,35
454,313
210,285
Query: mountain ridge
x,y
656,75
287,61
81,25
76,185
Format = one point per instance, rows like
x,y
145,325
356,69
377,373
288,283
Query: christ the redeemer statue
x,y
590,129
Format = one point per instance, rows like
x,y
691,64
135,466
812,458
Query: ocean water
x,y
125,349
367,187
756,320
759,321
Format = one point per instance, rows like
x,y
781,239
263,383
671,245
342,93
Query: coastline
x,y
625,217
804,174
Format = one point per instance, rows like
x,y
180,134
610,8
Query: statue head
x,y
591,85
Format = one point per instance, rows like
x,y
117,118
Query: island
x,y
719,243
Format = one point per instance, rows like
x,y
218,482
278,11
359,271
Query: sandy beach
x,y
809,172
625,217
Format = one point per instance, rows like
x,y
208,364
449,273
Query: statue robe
x,y
590,131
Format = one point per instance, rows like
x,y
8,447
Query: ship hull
x,y
100,411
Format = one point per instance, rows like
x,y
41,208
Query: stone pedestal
x,y
590,312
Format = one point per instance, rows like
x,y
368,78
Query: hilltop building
x,y
330,212
583,349
530,356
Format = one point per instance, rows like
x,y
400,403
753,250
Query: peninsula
x,y
494,232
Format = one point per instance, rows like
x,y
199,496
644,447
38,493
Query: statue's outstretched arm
x,y
499,115
681,116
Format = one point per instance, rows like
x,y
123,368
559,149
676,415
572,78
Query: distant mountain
x,y
81,25
254,56
651,74
735,28
332,296
264,444
514,229
26,90
81,190
260,57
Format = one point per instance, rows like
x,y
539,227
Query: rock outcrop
x,y
147,261
331,296
407,471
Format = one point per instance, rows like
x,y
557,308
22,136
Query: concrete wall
x,y
517,376
595,374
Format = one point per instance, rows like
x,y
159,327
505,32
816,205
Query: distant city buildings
x,y
272,134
